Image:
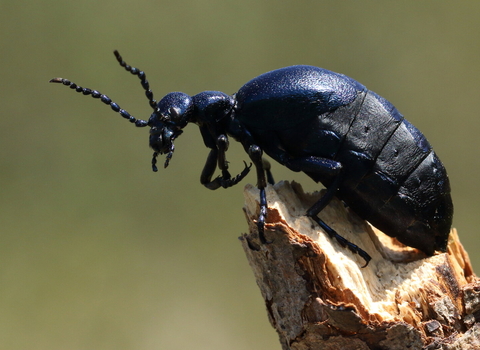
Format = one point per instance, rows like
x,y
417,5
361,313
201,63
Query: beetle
x,y
325,124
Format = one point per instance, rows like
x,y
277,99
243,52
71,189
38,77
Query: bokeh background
x,y
97,251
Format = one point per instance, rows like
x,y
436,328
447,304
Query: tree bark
x,y
318,296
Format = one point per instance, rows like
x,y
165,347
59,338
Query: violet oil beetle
x,y
324,124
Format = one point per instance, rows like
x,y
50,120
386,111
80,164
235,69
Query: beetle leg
x,y
329,169
218,156
313,213
343,241
209,169
255,154
262,167
267,167
319,206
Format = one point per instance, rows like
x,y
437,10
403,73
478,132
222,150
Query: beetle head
x,y
171,115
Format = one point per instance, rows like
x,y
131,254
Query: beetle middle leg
x,y
330,169
255,154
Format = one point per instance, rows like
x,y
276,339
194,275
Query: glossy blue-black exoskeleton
x,y
326,125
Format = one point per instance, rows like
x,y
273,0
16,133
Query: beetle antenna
x,y
141,75
104,98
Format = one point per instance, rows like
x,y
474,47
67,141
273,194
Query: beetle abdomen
x,y
287,97
393,178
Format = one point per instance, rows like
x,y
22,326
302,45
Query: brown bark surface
x,y
318,296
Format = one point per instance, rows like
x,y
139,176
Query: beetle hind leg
x,y
267,167
343,241
330,169
318,207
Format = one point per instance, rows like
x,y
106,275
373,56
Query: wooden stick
x,y
318,296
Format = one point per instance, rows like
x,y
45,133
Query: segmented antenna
x,y
104,98
141,75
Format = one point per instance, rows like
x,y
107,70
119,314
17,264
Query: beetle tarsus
x,y
262,216
235,180
342,241
226,180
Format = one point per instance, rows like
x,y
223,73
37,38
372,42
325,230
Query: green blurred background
x,y
97,251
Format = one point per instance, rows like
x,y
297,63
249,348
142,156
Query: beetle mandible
x,y
324,124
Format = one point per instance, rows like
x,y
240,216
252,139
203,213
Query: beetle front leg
x,y
226,180
209,170
216,156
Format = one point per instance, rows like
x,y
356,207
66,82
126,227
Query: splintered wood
x,y
318,296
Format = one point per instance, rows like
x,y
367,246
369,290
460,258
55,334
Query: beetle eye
x,y
174,113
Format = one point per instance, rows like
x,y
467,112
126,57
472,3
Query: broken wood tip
x,y
318,296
